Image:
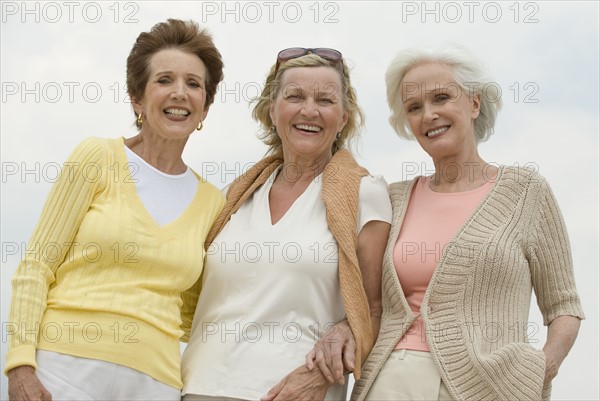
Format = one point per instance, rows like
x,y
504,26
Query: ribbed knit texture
x,y
477,304
101,279
341,184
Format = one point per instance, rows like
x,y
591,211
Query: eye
x,y
326,100
413,107
194,84
441,97
163,80
294,97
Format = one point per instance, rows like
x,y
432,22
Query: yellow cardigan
x,y
101,279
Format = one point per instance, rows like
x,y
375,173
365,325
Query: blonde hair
x,y
261,111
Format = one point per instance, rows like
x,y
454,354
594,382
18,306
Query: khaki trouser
x,y
408,375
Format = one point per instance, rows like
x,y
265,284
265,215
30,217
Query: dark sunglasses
x,y
294,52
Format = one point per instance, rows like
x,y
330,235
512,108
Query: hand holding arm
x,y
24,385
334,352
300,384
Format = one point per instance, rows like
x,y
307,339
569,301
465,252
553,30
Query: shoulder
x,y
401,188
523,179
374,199
373,186
91,158
209,189
343,163
94,148
400,192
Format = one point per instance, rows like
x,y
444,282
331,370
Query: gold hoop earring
x,y
200,126
139,120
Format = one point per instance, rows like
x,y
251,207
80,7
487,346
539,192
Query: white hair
x,y
468,72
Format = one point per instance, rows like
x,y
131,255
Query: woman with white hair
x,y
466,247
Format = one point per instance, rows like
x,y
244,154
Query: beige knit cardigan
x,y
476,306
341,184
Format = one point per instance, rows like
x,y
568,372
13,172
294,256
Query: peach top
x,y
432,219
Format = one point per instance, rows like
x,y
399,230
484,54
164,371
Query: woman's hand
x,y
300,384
24,385
334,352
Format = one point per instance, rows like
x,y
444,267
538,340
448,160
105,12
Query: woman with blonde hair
x,y
297,248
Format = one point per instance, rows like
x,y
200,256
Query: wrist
x,y
319,377
18,370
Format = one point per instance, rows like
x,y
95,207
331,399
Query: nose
x,y
179,90
310,108
429,112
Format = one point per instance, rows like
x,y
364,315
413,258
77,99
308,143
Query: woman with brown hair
x,y
97,301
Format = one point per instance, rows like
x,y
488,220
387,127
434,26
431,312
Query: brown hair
x,y
263,103
173,34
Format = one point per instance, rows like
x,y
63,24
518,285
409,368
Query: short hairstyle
x,y
173,34
468,72
261,110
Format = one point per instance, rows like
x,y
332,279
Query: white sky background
x,y
543,55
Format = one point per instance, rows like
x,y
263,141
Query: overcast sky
x,y
63,79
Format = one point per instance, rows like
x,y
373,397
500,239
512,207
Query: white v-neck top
x,y
165,196
269,292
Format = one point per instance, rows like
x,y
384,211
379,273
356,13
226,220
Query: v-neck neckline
x,y
298,201
127,179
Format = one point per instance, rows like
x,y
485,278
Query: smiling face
x,y
174,99
439,113
308,112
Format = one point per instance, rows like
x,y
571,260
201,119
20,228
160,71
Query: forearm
x,y
562,333
300,384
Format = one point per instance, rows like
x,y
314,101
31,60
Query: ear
x,y
475,105
272,112
205,113
137,105
343,122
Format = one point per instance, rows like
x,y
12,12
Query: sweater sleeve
x,y
550,261
81,178
190,299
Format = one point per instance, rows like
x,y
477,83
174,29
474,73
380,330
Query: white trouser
x,y
408,375
195,397
70,378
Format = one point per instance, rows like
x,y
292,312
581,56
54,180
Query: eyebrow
x,y
427,92
171,72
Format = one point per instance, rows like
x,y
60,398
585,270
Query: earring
x,y
338,136
273,130
139,120
200,126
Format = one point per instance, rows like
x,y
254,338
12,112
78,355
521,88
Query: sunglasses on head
x,y
294,52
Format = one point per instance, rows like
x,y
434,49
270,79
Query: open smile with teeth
x,y
310,128
177,112
437,131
